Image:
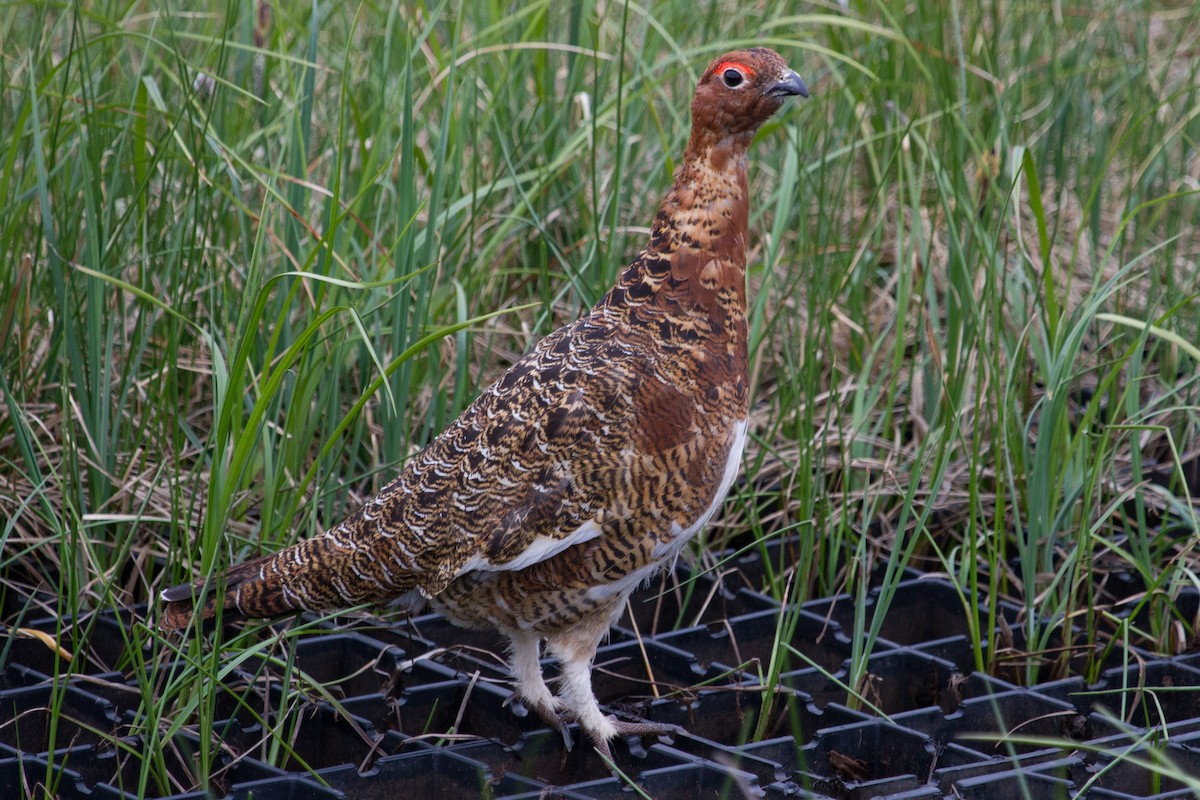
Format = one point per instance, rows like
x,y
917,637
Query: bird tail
x,y
319,574
181,604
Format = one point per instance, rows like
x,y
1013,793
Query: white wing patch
x,y
540,549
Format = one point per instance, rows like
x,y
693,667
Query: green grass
x,y
227,316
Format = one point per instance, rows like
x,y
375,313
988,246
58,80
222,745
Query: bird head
x,y
739,92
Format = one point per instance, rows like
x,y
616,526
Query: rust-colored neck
x,y
695,260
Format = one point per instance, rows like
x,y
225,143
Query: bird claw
x,y
557,721
568,742
551,716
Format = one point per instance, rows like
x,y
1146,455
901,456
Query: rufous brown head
x,y
739,92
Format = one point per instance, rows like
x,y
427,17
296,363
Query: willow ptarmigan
x,y
589,464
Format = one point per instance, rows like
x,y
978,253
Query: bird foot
x,y
622,727
644,728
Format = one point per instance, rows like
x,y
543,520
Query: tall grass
x,y
251,260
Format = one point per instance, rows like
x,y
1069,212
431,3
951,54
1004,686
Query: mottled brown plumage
x,y
589,464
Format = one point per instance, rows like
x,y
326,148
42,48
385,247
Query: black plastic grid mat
x,y
423,710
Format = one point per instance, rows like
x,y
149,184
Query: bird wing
x,y
555,453
543,460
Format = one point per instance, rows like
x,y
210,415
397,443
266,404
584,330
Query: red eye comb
x,y
724,65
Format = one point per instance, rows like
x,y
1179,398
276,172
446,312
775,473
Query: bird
x,y
587,466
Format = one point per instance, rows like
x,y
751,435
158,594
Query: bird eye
x,y
732,78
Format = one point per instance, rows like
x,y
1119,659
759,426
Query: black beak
x,y
791,85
